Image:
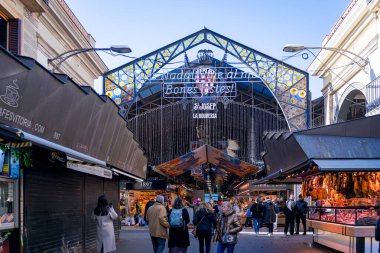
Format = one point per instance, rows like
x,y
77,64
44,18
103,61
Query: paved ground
x,y
138,241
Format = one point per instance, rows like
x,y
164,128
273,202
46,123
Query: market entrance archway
x,y
289,85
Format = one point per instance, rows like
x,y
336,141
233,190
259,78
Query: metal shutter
x,y
53,209
93,189
111,190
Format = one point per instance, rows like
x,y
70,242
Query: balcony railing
x,y
373,94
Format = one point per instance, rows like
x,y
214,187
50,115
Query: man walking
x,y
257,214
301,211
289,215
158,224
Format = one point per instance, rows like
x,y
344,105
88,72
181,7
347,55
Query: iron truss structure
x,y
289,85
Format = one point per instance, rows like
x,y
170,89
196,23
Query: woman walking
x,y
205,221
270,210
104,214
178,232
227,227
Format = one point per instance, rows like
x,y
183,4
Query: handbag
x,y
229,238
194,232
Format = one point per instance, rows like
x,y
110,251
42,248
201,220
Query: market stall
x,y
340,170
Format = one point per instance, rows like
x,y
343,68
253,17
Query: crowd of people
x,y
220,223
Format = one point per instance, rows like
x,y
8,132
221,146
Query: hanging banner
x,y
93,170
15,164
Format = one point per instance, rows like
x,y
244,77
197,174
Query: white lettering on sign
x,y
205,116
204,106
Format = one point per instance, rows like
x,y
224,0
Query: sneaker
x,y
296,233
269,234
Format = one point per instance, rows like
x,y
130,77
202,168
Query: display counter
x,y
346,229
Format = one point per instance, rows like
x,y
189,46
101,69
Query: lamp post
x,y
64,56
292,48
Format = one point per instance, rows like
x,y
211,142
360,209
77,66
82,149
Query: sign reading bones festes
x,y
199,82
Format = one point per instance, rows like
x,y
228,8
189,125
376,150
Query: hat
x,y
199,200
160,198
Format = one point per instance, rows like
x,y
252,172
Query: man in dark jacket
x,y
257,214
301,211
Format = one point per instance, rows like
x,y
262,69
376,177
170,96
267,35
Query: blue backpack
x,y
175,219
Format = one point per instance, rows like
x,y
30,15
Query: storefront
x,y
340,170
135,195
79,147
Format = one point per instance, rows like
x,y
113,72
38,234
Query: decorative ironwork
x,y
288,85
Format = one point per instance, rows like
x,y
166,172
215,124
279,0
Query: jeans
x,y
256,224
204,237
303,218
221,247
158,244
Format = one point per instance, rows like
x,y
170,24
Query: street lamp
x,y
64,56
292,48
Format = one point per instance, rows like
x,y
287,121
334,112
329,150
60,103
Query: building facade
x,y
43,29
350,67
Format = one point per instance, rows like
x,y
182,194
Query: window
x,y
7,215
10,33
3,31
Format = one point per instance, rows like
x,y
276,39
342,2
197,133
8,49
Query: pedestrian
x,y
214,206
227,227
289,212
149,204
301,211
158,224
205,221
248,217
269,215
237,209
104,214
178,232
257,214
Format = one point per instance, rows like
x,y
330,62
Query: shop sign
x,y
58,158
93,170
147,185
204,111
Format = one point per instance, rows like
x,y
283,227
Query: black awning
x,y
339,147
55,108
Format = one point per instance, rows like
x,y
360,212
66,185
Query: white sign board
x,y
93,170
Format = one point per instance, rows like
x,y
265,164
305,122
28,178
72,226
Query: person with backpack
x,y
257,214
289,211
205,222
301,211
178,232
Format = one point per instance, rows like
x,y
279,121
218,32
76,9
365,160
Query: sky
x,y
264,25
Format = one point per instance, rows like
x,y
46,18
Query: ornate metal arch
x,y
289,85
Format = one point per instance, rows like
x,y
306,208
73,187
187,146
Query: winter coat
x,y
257,210
269,213
301,207
290,208
179,237
208,223
149,204
105,233
231,222
158,221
